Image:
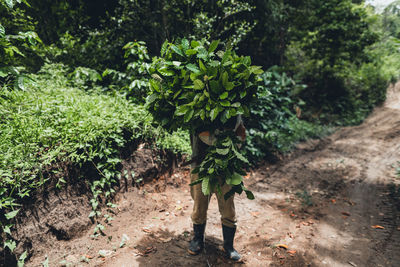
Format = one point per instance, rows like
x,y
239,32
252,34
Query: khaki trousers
x,y
200,207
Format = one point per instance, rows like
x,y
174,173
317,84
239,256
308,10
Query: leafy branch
x,y
194,86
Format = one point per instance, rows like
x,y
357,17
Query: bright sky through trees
x,y
379,2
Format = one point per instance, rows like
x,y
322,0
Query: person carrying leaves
x,y
199,143
206,91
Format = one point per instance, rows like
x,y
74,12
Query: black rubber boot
x,y
197,243
229,236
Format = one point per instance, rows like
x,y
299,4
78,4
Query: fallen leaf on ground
x,y
282,246
377,227
150,250
345,213
88,256
333,201
178,207
255,214
292,252
146,230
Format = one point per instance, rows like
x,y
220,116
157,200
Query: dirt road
x,y
332,202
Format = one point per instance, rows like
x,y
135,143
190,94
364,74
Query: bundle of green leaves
x,y
193,87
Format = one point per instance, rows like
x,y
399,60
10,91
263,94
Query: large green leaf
x,y
224,78
155,85
185,44
198,84
236,105
177,50
3,72
229,86
236,179
164,48
223,151
226,56
11,244
214,114
223,96
193,68
256,70
181,110
151,98
194,43
249,194
213,46
205,186
21,260
196,182
190,52
240,156
188,115
10,3
11,214
2,31
203,53
201,65
225,103
166,72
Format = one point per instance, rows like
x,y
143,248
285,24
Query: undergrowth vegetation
x,y
51,121
275,124
326,63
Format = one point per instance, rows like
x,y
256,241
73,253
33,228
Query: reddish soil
x,y
329,203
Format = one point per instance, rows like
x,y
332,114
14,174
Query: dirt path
x,y
321,202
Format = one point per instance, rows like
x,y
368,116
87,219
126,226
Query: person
x,y
199,143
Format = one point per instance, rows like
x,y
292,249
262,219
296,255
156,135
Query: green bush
x,y
19,43
273,125
52,122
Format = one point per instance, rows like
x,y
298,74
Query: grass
x,y
52,121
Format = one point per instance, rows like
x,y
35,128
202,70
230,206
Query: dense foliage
x,y
274,124
195,86
335,60
200,88
18,44
54,122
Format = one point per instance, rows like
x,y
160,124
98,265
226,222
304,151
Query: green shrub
x,y
273,125
53,122
18,45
